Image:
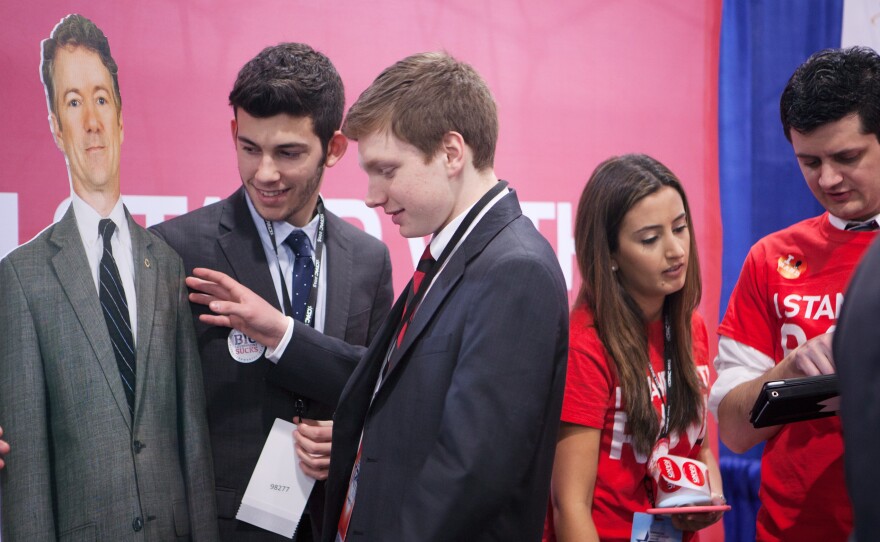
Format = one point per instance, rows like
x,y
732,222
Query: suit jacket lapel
x,y
243,249
74,274
354,403
144,267
357,396
355,399
506,210
339,278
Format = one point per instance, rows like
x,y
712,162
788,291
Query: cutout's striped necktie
x,y
115,308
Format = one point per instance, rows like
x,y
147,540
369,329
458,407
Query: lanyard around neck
x,y
456,237
309,317
432,272
667,362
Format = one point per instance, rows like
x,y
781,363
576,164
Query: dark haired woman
x,y
640,280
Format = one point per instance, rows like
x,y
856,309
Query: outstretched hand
x,y
236,306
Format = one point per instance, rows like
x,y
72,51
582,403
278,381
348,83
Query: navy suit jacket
x,y
458,442
857,358
245,398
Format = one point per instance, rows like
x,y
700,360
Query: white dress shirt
x,y
441,239
120,242
285,258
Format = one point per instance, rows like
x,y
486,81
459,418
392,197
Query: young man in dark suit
x,y
288,103
856,351
446,429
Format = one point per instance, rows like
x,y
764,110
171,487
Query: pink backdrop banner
x,y
576,82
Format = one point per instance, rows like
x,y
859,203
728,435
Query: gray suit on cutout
x,y
80,468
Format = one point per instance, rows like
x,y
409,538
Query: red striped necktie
x,y
426,262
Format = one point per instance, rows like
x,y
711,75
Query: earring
x,y
614,267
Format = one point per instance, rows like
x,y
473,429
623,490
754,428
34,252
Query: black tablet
x,y
796,399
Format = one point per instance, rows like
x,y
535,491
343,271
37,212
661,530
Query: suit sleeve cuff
x,y
274,354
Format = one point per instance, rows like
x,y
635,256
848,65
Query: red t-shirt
x,y
592,398
790,290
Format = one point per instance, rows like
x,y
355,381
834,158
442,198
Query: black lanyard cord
x,y
668,350
309,317
665,399
456,237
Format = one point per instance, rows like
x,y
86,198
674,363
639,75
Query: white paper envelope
x,y
277,493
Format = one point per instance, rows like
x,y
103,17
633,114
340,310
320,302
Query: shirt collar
x,y
282,228
87,219
442,238
840,223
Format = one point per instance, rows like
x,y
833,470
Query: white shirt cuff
x,y
736,364
274,354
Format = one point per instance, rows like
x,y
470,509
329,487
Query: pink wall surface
x,y
576,82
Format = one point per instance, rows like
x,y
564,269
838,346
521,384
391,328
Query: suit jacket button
x,y
137,524
138,446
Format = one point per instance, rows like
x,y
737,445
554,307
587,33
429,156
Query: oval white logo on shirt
x,y
242,348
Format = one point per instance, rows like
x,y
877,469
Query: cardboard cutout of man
x,y
100,382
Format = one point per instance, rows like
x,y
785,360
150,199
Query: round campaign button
x,y
242,348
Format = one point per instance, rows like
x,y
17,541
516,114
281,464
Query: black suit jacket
x,y
458,442
245,398
857,358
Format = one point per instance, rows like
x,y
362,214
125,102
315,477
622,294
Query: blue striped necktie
x,y
115,308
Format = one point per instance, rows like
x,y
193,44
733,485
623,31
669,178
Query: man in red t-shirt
x,y
783,311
